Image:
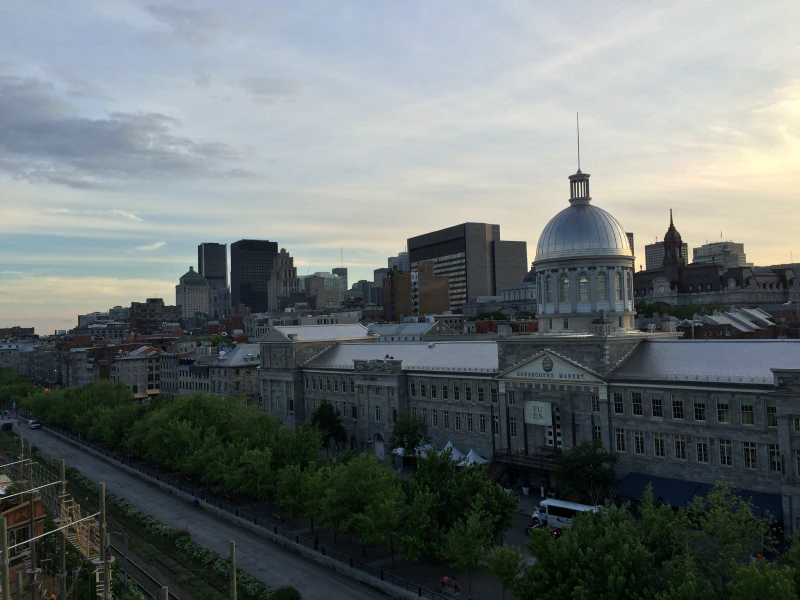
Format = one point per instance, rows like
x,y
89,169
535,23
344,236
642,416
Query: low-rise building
x,y
140,371
235,372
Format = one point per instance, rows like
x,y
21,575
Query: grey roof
x,y
401,328
307,333
244,355
582,230
710,361
470,356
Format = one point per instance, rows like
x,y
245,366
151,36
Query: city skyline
x,y
311,126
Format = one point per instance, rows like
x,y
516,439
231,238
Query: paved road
x,y
268,562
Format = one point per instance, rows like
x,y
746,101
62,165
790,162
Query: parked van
x,y
558,513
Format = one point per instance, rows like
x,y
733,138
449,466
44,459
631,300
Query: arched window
x,y
618,285
583,288
549,289
602,290
564,287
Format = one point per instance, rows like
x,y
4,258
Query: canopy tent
x,y
419,451
473,458
455,454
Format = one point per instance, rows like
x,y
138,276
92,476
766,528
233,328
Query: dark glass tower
x,y
251,267
212,263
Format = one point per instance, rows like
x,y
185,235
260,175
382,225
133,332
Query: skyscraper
x,y
342,273
212,263
252,262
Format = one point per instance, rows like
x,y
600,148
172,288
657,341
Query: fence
x,y
264,523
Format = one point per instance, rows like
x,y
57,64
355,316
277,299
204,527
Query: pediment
x,y
549,367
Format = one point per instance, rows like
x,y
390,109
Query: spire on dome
x,y
670,218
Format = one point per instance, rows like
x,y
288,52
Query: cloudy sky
x,y
131,131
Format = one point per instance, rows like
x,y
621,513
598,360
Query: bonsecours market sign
x,y
549,372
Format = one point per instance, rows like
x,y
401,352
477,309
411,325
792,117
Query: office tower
x,y
252,262
342,273
212,263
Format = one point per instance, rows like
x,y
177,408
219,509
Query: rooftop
x,y
710,361
310,333
469,356
244,355
401,328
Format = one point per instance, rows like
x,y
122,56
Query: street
x,y
268,562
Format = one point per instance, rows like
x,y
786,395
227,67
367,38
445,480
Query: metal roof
x,y
710,361
401,328
308,333
244,355
582,230
467,356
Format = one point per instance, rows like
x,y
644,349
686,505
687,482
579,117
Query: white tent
x,y
454,452
421,450
473,458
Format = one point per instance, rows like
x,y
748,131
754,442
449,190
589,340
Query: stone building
x,y
139,370
192,294
235,372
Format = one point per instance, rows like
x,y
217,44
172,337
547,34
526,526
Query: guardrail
x,y
264,523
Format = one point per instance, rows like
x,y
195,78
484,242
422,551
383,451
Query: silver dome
x,y
582,230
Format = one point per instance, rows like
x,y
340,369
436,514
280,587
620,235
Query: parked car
x,y
34,424
7,426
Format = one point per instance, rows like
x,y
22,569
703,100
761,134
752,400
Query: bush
x,y
286,593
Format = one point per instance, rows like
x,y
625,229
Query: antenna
x,y
578,126
341,253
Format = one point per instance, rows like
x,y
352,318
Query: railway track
x,y
146,583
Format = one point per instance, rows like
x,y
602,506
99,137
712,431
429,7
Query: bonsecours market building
x,y
680,414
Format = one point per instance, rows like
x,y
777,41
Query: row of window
x,y
460,421
547,293
698,407
355,411
679,448
434,391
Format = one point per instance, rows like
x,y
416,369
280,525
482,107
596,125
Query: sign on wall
x,y
550,368
538,413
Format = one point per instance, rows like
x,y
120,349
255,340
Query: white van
x,y
558,513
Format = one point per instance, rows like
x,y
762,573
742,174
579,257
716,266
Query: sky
x,y
131,131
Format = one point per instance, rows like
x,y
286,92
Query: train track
x,y
146,583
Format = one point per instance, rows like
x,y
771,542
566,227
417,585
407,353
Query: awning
x,y
678,493
419,451
473,458
454,452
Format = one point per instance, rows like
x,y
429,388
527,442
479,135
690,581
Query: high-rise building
x,y
342,273
192,294
212,263
654,255
416,293
252,262
474,257
728,254
630,241
400,261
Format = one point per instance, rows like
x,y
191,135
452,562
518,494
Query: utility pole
x,y
31,507
19,585
104,545
62,551
4,546
165,593
233,570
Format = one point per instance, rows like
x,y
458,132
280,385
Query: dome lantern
x,y
579,188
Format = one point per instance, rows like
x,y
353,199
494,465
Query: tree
x,y
327,419
467,542
409,433
380,522
505,563
765,580
285,593
586,469
418,525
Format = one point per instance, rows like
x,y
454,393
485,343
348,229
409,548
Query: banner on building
x,y
538,413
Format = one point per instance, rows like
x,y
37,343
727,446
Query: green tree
x,y
505,563
327,419
586,469
285,593
409,433
766,580
419,528
380,521
467,543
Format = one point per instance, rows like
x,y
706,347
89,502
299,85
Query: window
x,y
596,433
413,389
618,285
656,407
435,417
456,393
677,408
564,288
602,290
497,425
618,407
394,415
469,423
492,393
423,389
750,455
457,416
774,458
772,416
797,461
583,288
565,323
328,383
510,397
444,391
636,404
658,445
619,436
513,426
680,447
549,285
352,387
701,445
313,383
638,442
434,391
482,423
353,411
425,416
335,385
446,419
377,413
723,415
361,412
725,453
699,409
796,422
595,403
468,393
306,382
748,417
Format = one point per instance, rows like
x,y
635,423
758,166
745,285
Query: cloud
x,y
44,140
266,89
127,215
191,25
150,247
116,212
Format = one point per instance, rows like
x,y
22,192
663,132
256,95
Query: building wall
x,y
510,264
252,262
212,263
